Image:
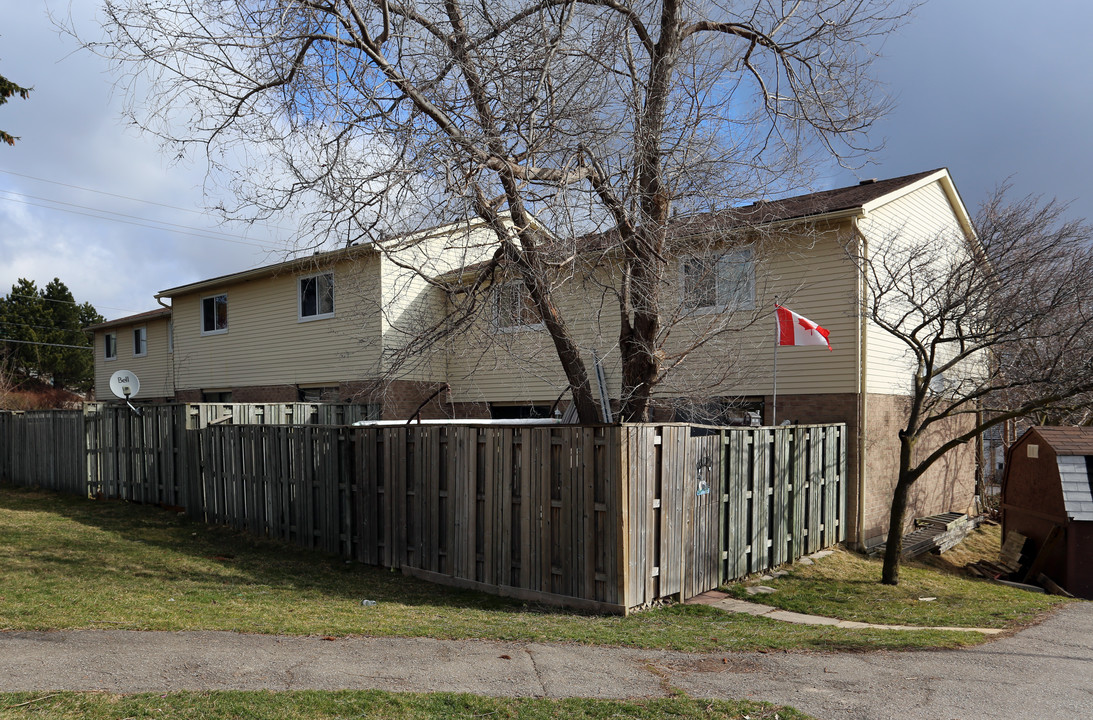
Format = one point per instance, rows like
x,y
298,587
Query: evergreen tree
x,y
45,330
9,89
23,320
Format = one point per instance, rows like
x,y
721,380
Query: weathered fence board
x,y
45,449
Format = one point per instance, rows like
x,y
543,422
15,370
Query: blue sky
x,y
990,90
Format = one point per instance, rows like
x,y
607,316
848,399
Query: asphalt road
x,y
1043,672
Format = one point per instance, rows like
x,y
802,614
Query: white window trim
x,y
300,317
746,255
533,327
201,315
143,329
115,355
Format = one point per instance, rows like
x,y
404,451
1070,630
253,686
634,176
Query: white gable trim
x,y
948,187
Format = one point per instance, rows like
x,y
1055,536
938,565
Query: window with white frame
x,y
110,346
140,341
514,309
719,283
316,296
214,314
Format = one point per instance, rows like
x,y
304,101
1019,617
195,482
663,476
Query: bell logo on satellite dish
x,y
124,384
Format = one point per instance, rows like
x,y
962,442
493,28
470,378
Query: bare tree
x,y
573,128
1001,330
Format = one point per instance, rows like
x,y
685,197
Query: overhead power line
x,y
142,222
116,195
45,344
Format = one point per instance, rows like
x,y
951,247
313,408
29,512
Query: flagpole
x,y
774,394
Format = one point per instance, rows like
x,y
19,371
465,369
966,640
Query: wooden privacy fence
x,y
607,518
44,449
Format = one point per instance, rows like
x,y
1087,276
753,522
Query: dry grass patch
x,y
311,705
933,592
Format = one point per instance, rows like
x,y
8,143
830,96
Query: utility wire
x,y
41,327
44,344
194,232
116,195
120,214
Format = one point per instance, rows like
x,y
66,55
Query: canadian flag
x,y
794,329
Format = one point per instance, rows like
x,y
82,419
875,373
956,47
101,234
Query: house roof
x,y
845,201
133,319
811,205
309,261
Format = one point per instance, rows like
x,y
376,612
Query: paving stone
x,y
821,554
801,619
780,573
759,590
710,597
804,561
743,606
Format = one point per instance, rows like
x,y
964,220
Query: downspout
x,y
863,245
171,367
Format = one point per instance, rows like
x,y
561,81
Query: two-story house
x,y
329,327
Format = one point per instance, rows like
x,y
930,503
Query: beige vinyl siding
x,y
411,305
925,214
812,275
266,343
520,364
154,370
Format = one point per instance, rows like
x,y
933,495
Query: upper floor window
x,y
214,314
719,283
514,308
316,296
110,346
140,342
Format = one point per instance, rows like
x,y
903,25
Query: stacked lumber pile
x,y
952,529
934,533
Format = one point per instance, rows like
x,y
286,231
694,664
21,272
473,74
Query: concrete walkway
x,y
726,602
1043,672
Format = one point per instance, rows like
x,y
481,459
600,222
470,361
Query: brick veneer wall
x,y
265,394
947,486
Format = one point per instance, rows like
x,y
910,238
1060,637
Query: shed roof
x,y
1067,440
1074,477
1073,447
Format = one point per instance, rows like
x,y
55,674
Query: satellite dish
x,y
124,384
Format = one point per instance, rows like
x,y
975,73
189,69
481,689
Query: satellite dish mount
x,y
125,385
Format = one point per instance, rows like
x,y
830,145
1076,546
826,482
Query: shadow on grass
x,y
189,548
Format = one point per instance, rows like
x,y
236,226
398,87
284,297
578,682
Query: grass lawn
x,y
844,585
67,562
370,704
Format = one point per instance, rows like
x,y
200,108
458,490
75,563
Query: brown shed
x,y
1048,484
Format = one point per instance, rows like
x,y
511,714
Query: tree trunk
x,y
893,549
